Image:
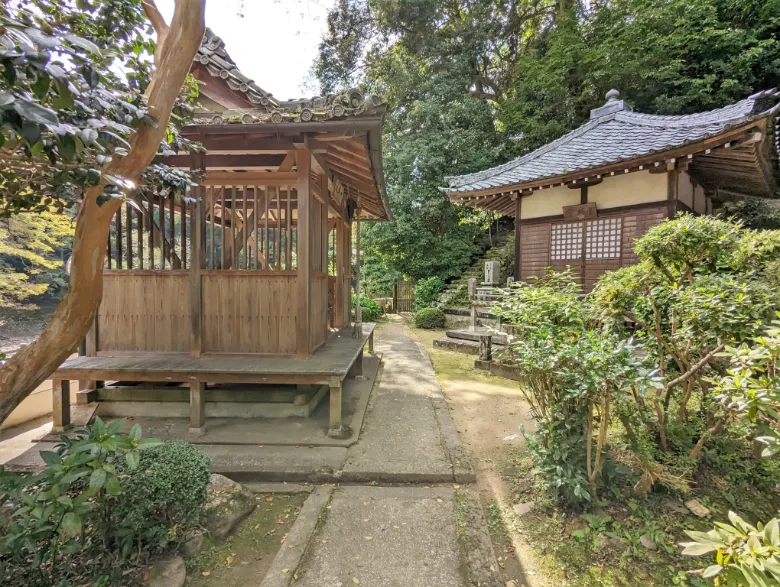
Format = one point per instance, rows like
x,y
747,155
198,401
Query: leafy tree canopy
x,y
72,82
471,83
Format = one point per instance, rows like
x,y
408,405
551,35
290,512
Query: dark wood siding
x,y
535,244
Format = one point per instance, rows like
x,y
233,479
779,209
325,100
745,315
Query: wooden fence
x,y
403,297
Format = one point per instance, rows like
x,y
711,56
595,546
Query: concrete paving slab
x,y
401,439
276,463
386,537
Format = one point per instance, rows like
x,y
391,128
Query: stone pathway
x,y
399,536
386,536
401,438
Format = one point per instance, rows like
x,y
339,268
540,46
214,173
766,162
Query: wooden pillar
x,y
339,320
197,407
335,428
371,342
518,260
673,175
198,252
359,366
358,309
60,405
303,345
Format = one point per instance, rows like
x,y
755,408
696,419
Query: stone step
x,y
498,338
466,347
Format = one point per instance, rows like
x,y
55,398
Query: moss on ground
x,y
243,559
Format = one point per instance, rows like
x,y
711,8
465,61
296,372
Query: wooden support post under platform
x,y
358,367
60,405
336,428
197,407
371,342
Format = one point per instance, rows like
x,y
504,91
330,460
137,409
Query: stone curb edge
x,y
286,561
462,470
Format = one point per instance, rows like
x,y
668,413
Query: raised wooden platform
x,y
329,365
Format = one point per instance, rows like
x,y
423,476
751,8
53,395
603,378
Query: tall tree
x,y
474,82
74,130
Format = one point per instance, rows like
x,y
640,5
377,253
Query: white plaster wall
x,y
627,189
685,189
700,200
35,405
549,202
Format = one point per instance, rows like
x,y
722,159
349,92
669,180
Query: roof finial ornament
x,y
612,95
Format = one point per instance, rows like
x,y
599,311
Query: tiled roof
x,y
615,134
218,63
215,58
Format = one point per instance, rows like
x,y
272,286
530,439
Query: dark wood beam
x,y
273,160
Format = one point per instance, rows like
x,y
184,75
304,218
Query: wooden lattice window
x,y
603,238
566,241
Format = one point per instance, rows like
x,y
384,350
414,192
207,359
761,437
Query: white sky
x,y
274,42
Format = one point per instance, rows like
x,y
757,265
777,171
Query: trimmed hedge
x,y
165,492
370,310
429,318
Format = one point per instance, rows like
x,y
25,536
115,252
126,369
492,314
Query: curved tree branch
x,y
159,24
69,325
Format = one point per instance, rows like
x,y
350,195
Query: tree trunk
x,y
29,367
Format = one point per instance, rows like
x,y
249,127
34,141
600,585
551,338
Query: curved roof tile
x,y
615,134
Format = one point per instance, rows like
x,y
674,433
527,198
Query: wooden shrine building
x,y
581,200
248,279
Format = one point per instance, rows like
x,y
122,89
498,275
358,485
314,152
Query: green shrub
x,y
572,375
744,554
63,527
370,310
427,292
429,318
161,499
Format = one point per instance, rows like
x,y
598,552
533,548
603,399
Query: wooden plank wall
x,y
246,313
535,244
144,312
318,321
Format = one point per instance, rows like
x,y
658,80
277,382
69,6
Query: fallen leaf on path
x,y
324,541
206,573
396,526
510,549
269,499
456,486
365,503
355,580
511,583
257,526
369,537
285,570
229,560
439,499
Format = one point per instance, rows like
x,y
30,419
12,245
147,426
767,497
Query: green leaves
x,y
744,553
97,479
34,112
71,524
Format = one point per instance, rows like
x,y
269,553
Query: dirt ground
x,y
244,559
21,327
488,412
